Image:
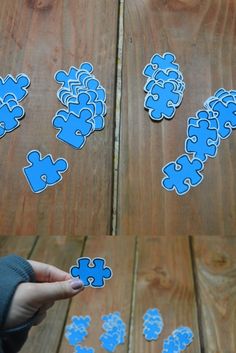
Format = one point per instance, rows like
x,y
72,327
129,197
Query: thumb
x,y
46,292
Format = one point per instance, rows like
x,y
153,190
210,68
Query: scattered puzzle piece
x,y
202,140
170,345
182,174
43,172
91,272
162,101
226,115
184,337
80,349
115,331
17,86
152,324
9,117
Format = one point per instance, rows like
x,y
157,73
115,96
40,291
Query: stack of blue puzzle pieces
x,y
164,86
180,339
204,134
152,324
12,91
115,331
76,333
84,98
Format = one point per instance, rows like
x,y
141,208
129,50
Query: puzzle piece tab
x,y
182,174
91,272
43,172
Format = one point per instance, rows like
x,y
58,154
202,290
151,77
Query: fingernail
x,y
76,284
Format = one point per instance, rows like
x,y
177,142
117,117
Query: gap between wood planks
x,y
117,122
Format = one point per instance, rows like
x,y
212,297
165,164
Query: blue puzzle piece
x,y
9,117
202,140
80,349
81,321
152,324
182,174
83,102
162,101
17,86
109,341
163,76
170,345
75,335
94,85
43,172
74,129
91,272
226,115
166,61
184,337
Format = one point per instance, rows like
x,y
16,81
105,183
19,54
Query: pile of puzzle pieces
x,y
204,134
152,324
115,331
92,272
84,98
164,87
12,91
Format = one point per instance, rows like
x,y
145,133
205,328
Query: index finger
x,y
48,273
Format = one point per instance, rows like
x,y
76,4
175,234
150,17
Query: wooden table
x,y
113,185
192,280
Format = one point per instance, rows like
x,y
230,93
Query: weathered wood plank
x,y
60,252
202,36
38,38
164,280
115,296
21,246
216,282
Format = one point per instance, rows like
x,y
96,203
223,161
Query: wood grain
x,y
21,246
38,38
115,296
216,282
202,35
60,252
164,281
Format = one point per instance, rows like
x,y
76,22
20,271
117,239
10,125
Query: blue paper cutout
x,y
80,349
152,324
202,140
43,172
77,330
17,86
182,174
115,331
166,61
162,101
91,272
184,337
226,115
10,114
170,345
73,128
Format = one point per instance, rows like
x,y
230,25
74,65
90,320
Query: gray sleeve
x,y
13,270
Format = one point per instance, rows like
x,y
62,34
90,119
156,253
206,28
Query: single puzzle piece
x,y
91,272
184,337
74,129
162,101
43,172
202,140
80,349
166,61
75,335
17,86
170,345
81,321
109,341
182,174
9,118
226,115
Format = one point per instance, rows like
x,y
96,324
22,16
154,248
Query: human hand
x,y
29,298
